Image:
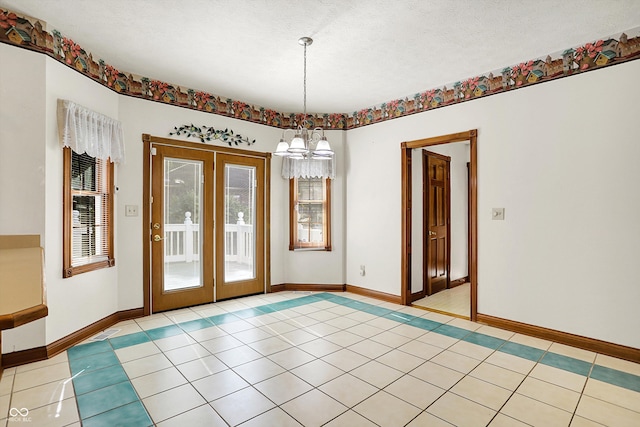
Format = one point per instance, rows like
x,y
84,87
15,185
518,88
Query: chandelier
x,y
306,143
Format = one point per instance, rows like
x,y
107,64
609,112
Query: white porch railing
x,y
182,241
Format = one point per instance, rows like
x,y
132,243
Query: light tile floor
x,y
291,359
455,301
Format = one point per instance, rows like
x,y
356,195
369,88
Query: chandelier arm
x,y
284,132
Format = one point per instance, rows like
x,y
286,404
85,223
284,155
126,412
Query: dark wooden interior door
x,y
437,202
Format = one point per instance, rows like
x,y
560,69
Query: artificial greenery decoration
x,y
208,133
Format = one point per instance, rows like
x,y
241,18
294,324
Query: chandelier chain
x,y
305,85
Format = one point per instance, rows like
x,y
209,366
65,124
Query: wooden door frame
x,y
147,141
425,191
405,266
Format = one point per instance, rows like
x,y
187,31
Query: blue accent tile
x,y
264,309
521,350
164,332
368,308
247,313
133,414
409,317
93,362
221,319
484,340
105,399
84,350
195,325
566,363
354,304
94,380
451,331
281,305
398,317
425,324
615,377
129,340
310,299
336,299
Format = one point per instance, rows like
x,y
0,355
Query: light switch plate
x,y
497,214
131,210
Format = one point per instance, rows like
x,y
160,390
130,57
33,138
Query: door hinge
x,y
153,151
151,199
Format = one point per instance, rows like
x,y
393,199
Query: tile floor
x,y
332,359
455,300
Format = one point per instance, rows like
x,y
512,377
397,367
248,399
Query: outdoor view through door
x,y
239,212
183,223
207,225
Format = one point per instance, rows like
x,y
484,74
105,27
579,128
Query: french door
x,y
240,226
207,220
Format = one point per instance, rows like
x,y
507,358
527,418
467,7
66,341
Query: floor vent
x,y
105,334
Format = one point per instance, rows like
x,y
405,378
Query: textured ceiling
x,y
365,52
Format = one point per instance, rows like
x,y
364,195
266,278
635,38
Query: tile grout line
x,y
584,387
519,384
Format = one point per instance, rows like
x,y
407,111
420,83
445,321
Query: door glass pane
x,y
240,223
183,181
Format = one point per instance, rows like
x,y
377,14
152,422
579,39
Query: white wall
x,y
459,153
319,267
22,163
22,116
88,297
561,157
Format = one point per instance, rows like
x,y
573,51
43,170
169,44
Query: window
x,y
88,213
310,213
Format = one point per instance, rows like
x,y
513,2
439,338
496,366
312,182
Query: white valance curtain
x,y
308,168
86,131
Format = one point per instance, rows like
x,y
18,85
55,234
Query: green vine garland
x,y
208,133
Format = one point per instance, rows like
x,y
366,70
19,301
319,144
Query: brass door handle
x,y
157,238
432,233
156,226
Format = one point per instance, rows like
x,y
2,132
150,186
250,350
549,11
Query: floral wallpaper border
x,y
31,33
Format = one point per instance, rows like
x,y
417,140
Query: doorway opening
x,y
415,285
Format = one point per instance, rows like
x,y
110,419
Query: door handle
x,y
432,233
157,238
156,226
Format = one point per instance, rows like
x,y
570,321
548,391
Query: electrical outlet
x,y
497,214
362,272
131,210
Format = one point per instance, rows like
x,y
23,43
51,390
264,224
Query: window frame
x,y
294,245
68,270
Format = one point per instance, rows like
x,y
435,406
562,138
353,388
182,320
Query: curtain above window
x,y
86,131
308,168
